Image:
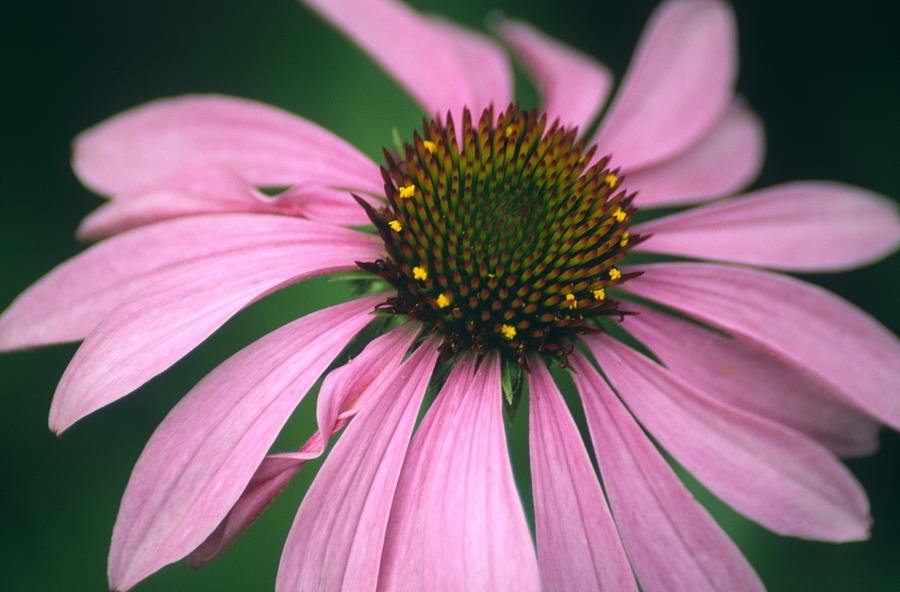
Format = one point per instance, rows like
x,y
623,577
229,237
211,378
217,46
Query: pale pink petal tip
x,y
765,471
680,82
573,85
577,542
264,145
803,226
204,453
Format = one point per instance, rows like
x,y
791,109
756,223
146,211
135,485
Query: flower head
x,y
517,225
502,249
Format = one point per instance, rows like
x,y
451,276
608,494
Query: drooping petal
x,y
801,322
325,204
264,145
457,522
158,326
765,471
336,540
680,82
214,189
71,300
573,85
207,190
578,546
671,540
745,375
805,226
271,477
204,453
723,162
485,63
343,393
350,386
418,54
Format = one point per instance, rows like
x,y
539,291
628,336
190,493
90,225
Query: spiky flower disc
x,y
504,236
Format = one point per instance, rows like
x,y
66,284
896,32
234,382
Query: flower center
x,y
502,237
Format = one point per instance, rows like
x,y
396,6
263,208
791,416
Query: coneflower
x,y
494,250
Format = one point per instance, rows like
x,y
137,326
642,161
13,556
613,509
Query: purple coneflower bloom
x,y
501,250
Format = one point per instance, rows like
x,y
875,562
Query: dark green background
x,y
824,77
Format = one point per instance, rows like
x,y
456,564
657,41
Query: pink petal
x,y
419,55
680,82
723,162
203,454
805,226
485,63
573,85
158,326
765,471
752,378
457,522
336,540
70,301
201,191
265,145
347,388
325,204
801,322
271,477
341,396
672,542
578,546
214,189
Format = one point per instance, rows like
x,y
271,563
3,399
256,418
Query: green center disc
x,y
504,237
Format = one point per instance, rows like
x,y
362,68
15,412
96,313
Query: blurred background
x,y
825,77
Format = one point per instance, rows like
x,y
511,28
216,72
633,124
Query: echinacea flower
x,y
502,246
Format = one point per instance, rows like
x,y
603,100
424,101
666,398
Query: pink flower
x,y
502,241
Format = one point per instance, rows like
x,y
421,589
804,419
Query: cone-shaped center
x,y
502,236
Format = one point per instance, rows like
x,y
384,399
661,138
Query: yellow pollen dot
x,y
420,273
508,331
510,130
611,180
571,300
619,214
443,301
599,294
614,274
429,146
407,191
395,225
624,241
